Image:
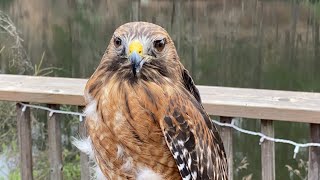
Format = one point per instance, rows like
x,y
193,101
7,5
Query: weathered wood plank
x,y
261,104
55,152
84,159
25,142
226,136
221,101
267,151
49,90
314,153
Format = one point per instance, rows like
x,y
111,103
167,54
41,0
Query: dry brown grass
x,y
18,56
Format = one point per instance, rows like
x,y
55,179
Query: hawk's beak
x,y
135,56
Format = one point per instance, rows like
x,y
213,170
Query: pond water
x,y
236,43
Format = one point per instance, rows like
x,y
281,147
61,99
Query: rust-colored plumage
x,y
144,114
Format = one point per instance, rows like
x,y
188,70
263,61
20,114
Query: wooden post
x,y
55,153
25,142
314,153
267,151
226,136
84,159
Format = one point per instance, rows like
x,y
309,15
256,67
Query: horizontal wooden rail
x,y
266,105
49,90
222,101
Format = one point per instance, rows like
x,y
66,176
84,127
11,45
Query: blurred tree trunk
x,y
194,37
3,63
176,23
316,49
257,72
178,12
294,15
136,10
173,13
308,24
75,61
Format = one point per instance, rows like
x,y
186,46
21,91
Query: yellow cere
x,y
136,46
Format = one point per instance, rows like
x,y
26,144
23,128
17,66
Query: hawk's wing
x,y
189,85
192,139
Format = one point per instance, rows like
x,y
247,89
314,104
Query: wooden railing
x,y
266,105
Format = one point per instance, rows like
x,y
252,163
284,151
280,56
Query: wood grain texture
x,y
25,142
55,151
314,153
226,136
267,152
49,90
261,104
221,101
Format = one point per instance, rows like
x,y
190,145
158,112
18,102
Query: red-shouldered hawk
x,y
144,114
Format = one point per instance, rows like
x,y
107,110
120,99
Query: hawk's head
x,y
141,50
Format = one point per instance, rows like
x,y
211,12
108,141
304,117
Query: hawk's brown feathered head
x,y
141,50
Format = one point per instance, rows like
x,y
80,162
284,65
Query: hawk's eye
x,y
159,44
117,42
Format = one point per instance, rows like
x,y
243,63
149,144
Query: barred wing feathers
x,y
193,140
